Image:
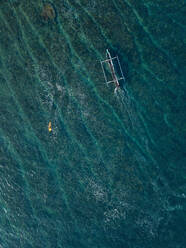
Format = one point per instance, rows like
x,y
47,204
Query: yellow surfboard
x,y
49,126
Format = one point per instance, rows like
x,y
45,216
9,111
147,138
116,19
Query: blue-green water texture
x,y
111,173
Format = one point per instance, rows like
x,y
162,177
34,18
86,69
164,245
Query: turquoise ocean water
x,y
111,174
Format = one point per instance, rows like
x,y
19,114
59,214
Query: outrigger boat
x,y
109,61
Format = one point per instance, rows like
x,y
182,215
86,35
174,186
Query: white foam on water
x,y
82,100
114,216
148,224
97,191
61,89
47,95
5,210
70,13
117,210
126,104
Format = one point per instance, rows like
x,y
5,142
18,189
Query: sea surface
x,y
111,173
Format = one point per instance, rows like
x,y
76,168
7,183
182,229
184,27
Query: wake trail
x,y
126,104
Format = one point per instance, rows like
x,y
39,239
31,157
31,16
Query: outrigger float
x,y
110,62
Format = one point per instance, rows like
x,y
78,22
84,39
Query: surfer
x,y
49,126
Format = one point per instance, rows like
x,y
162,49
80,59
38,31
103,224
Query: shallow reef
x,y
48,12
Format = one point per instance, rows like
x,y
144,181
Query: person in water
x,y
49,126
